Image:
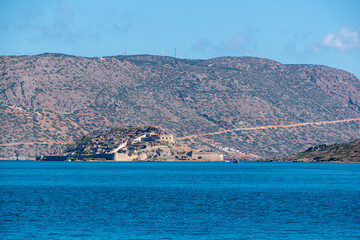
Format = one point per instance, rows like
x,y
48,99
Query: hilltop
x,y
344,152
133,143
49,99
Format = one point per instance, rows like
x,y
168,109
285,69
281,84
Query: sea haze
x,y
172,200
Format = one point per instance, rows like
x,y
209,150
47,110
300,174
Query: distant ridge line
x,y
268,127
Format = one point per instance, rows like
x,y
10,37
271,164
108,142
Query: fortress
x,y
151,144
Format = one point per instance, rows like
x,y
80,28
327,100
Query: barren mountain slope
x,y
52,97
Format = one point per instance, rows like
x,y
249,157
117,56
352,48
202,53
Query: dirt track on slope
x,y
219,132
268,127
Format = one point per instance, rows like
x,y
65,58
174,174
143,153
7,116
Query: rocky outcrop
x,y
132,143
344,152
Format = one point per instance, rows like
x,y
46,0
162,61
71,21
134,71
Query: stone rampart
x,y
105,156
124,157
207,156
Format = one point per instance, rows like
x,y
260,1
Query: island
x,y
132,143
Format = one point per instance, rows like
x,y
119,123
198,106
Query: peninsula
x,y
133,143
340,152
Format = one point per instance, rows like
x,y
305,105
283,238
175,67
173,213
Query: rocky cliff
x,y
49,99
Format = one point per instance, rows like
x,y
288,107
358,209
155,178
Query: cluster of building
x,y
151,146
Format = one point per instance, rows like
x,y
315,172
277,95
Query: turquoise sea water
x,y
172,200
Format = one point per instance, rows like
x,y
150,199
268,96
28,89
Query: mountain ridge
x,y
55,97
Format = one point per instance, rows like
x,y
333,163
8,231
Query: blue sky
x,y
325,32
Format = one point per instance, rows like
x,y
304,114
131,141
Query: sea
x,y
179,200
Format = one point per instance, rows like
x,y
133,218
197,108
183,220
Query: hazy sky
x,y
292,31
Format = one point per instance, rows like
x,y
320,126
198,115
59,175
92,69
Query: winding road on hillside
x,y
268,127
220,132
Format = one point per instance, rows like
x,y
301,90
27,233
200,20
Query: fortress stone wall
x,y
146,147
163,138
125,157
207,156
105,156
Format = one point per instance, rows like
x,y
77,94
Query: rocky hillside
x,y
344,152
105,141
51,98
133,143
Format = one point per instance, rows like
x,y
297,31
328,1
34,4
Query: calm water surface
x,y
138,200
